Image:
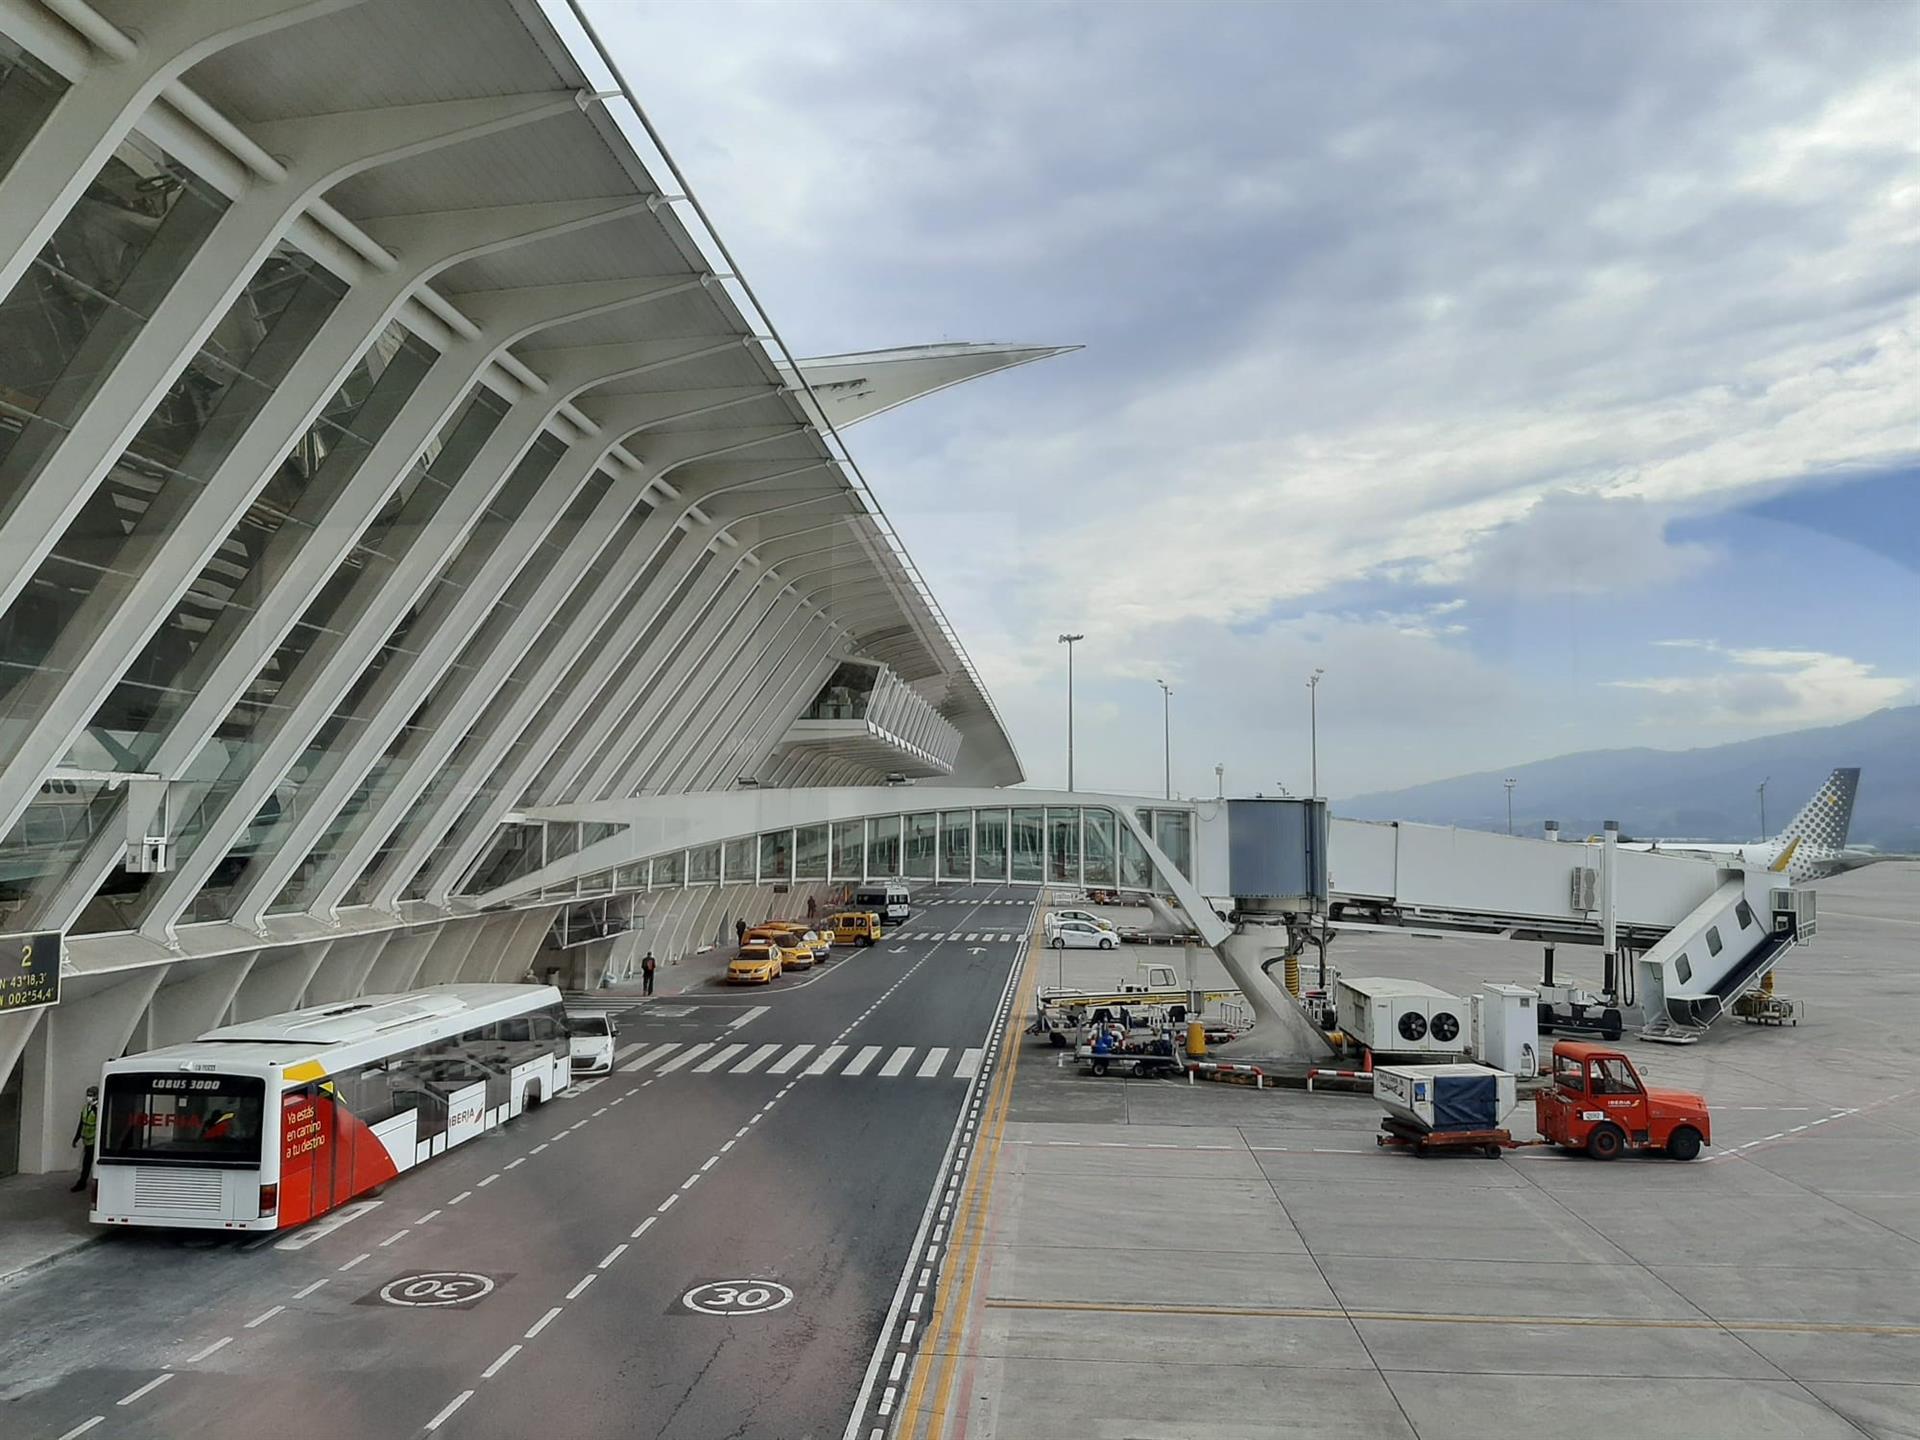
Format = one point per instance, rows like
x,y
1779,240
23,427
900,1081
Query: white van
x,y
889,900
590,1037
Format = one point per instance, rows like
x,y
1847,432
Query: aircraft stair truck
x,y
1723,950
1154,1001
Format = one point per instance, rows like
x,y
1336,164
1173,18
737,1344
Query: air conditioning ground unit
x,y
1401,1017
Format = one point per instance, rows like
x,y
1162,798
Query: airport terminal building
x,y
388,462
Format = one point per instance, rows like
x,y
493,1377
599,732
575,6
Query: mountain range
x,y
1704,794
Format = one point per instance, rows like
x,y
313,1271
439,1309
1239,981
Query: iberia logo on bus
x,y
327,1156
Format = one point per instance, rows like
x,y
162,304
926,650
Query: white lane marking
x,y
490,1179
644,1226
667,1204
792,1058
538,1148
648,1058
897,1062
969,1062
687,1056
263,1317
614,1254
305,1291
83,1427
498,1365
426,1217
930,1066
825,1062
749,1017
541,1324
712,1160
346,1215
741,1131
452,1405
625,1050
973,935
398,1234
146,1389
899,1364
575,1126
717,1059
198,1356
514,1164
755,1060
576,1291
463,1195
598,1113
690,1181
356,1260
860,1062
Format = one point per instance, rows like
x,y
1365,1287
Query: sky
x,y
1545,374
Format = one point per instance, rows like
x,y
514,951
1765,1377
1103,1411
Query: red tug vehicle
x,y
1599,1104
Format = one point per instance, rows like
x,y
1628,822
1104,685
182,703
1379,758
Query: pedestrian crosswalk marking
x,y
930,1066
825,1062
625,1050
973,935
858,1065
691,1053
717,1059
648,1058
897,1062
787,1061
748,1017
969,1062
756,1060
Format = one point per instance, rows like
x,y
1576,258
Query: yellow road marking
x,y
1319,1312
957,1272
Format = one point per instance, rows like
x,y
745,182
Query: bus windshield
x,y
183,1119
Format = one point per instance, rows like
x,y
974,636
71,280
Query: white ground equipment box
x,y
1439,1098
1506,1028
1401,1017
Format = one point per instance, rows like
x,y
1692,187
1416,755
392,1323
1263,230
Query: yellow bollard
x,y
1196,1039
1293,976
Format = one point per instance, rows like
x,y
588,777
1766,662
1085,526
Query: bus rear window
x,y
183,1119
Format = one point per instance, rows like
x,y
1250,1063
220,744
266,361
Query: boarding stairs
x,y
1725,949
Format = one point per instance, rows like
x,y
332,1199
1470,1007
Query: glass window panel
x,y
1136,870
632,877
28,93
990,844
703,865
846,693
739,859
956,845
883,846
922,845
810,852
1030,844
670,869
1098,833
1173,833
849,851
776,855
1063,846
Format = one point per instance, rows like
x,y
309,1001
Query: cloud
x,y
1759,688
1581,545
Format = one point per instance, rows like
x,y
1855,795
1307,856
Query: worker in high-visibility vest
x,y
84,1133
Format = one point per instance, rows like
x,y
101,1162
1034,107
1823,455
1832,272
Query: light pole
x,y
1219,782
1166,719
1763,807
1509,782
1313,730
1067,640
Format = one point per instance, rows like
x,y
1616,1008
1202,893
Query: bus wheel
x,y
531,1100
1059,1041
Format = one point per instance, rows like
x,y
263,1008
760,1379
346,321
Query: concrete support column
x,y
343,974
64,1056
278,980
399,964
449,952
185,1009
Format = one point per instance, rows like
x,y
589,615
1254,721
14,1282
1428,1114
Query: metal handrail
x,y
844,456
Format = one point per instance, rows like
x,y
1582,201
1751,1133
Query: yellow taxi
x,y
818,937
851,926
794,955
756,964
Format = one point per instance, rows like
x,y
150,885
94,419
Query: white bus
x,y
888,899
264,1125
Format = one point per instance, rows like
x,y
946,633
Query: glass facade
x,y
1097,848
738,858
849,850
703,865
1063,847
1029,844
1173,833
956,853
846,693
1136,870
922,845
776,855
810,852
990,844
883,847
28,93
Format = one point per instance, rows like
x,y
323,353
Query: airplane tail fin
x,y
1825,819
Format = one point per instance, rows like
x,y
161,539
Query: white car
x,y
1080,935
1055,917
590,1039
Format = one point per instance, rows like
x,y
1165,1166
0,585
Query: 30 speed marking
x,y
437,1287
737,1297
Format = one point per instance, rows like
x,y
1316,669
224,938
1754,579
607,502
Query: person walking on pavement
x,y
83,1135
813,909
647,967
740,930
